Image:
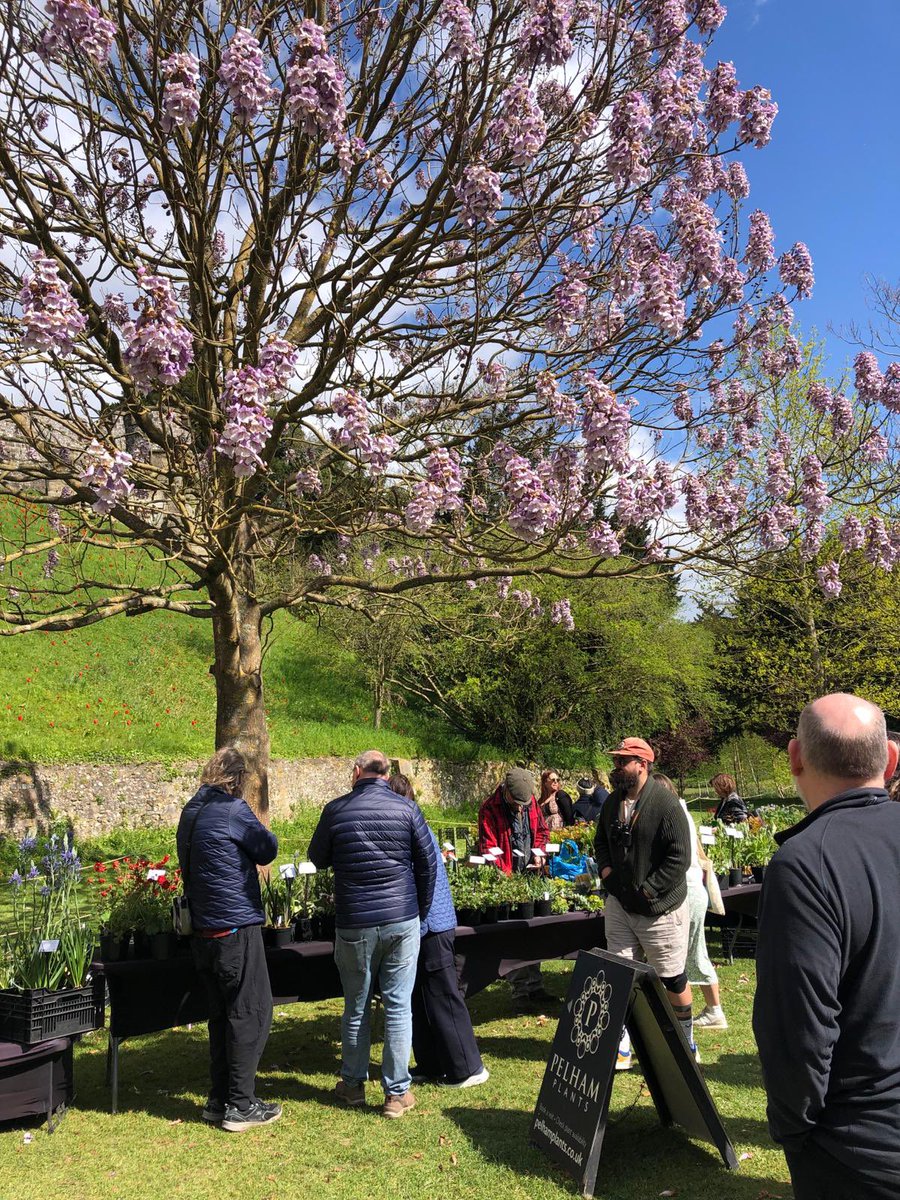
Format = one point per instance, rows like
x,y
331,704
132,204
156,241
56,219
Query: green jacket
x,y
648,877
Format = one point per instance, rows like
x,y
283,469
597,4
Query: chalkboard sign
x,y
606,994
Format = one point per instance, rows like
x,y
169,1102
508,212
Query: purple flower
x,y
355,434
668,21
876,448
829,579
708,14
627,156
545,40
520,129
603,540
698,234
456,17
760,254
160,349
723,101
479,195
795,268
737,185
879,548
569,299
246,395
841,415
819,397
104,474
675,108
852,533
314,92
606,425
890,395
758,111
51,562
308,482
16,879
76,25
813,494
869,379
51,319
562,405
243,71
181,95
561,614
660,303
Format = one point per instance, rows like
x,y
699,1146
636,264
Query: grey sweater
x,y
647,877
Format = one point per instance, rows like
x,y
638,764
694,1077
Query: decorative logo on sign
x,y
590,1015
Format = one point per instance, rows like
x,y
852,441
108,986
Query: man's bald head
x,y
844,737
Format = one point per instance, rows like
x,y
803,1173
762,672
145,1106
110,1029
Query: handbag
x,y
716,903
569,862
181,916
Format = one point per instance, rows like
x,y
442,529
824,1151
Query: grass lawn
x,y
455,1144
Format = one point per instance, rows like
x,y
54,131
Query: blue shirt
x,y
442,914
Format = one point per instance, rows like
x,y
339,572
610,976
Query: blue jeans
x,y
386,955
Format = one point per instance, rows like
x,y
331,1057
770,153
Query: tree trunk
x,y
240,709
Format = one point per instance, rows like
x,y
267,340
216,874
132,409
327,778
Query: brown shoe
x,y
351,1095
398,1106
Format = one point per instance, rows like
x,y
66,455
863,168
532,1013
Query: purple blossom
x,y
51,319
520,129
456,17
479,195
314,92
494,376
533,508
726,502
569,299
879,549
561,614
758,111
243,71
668,21
51,562
115,308
604,541
504,582
246,395
76,25
181,95
890,395
869,379
698,234
606,425
562,405
318,565
876,448
737,185
627,156
674,109
278,360
104,474
829,579
795,268
660,303
731,282
439,492
813,494
682,405
160,349
852,533
760,254
773,526
308,482
778,480
696,506
819,397
544,39
723,100
708,14
841,415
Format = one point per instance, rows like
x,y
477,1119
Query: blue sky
x,y
831,174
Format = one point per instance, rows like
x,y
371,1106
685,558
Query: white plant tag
x,y
48,945
730,831
707,839
518,854
155,874
287,871
538,853
305,868
707,829
449,846
476,860
553,847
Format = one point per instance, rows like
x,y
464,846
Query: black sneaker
x,y
214,1112
259,1113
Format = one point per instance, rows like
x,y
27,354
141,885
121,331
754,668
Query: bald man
x,y
827,1009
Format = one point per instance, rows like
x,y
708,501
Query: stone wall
x,y
102,796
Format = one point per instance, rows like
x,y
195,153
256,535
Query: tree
x,y
422,273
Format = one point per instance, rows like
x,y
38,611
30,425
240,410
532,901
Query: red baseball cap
x,y
634,748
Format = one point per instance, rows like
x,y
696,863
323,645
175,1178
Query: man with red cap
x,y
643,850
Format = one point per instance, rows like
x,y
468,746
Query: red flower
x,y
163,861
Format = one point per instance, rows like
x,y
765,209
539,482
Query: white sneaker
x,y
623,1061
695,1052
481,1076
709,1019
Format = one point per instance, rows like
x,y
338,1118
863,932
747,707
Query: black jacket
x,y
827,1009
648,877
383,855
219,868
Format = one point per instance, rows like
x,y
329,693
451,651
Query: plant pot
x,y
114,946
735,877
722,878
502,912
468,916
525,910
141,943
758,873
543,908
327,924
162,945
489,915
277,935
304,929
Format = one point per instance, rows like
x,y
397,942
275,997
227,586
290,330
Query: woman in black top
x,y
556,805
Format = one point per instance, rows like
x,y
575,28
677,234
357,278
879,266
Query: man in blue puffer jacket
x,y
385,866
220,844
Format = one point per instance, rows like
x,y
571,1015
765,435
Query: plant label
x,y
155,874
518,854
305,868
707,839
287,871
707,829
48,945
449,846
476,860
553,847
538,853
738,834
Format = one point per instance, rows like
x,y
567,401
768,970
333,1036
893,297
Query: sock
x,y
625,1043
687,1024
714,1010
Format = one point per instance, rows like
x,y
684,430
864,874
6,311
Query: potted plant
x,y
521,896
719,854
539,892
46,958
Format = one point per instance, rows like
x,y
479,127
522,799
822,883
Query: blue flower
x,y
27,844
33,873
45,890
16,879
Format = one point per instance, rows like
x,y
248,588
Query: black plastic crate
x,y
39,1015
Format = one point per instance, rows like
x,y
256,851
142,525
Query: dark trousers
x,y
233,970
443,1039
817,1175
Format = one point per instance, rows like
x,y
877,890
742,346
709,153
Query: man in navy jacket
x,y
385,866
220,845
827,1009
